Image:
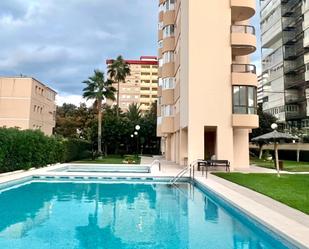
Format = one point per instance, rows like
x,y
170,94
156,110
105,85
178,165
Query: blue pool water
x,y
78,215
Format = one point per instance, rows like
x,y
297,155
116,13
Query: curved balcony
x,y
245,121
168,44
159,72
169,17
242,9
243,39
167,97
160,53
160,35
167,125
161,15
168,70
244,74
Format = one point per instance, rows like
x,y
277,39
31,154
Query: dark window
x,y
244,100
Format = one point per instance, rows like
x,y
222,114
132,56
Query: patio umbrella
x,y
276,138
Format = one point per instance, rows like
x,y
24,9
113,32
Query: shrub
x,y
24,149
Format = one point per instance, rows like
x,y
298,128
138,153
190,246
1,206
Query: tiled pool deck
x,y
288,222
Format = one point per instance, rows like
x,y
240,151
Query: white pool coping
x,y
283,220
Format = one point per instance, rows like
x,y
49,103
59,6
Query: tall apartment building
x,y
207,86
27,103
142,85
285,46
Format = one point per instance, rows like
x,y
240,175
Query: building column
x,y
241,148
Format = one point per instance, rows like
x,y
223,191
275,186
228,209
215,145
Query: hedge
x,y
24,149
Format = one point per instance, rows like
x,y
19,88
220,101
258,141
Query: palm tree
x,y
118,70
99,89
134,112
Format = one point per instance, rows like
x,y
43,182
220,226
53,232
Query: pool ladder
x,y
190,168
156,162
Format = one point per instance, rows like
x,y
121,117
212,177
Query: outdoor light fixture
x,y
137,127
135,133
274,126
132,135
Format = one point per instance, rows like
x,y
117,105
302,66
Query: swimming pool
x,y
113,168
115,215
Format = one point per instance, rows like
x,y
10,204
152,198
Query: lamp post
x,y
274,126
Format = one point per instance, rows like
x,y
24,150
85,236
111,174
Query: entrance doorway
x,y
210,142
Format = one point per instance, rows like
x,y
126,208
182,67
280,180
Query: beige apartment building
x,y
27,103
207,86
142,85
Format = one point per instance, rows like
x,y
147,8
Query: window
x,y
169,5
145,73
244,100
168,83
168,31
168,57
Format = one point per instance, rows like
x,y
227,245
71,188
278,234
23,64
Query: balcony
x,y
245,121
244,74
168,44
242,10
294,80
168,70
160,35
243,39
167,97
167,125
169,17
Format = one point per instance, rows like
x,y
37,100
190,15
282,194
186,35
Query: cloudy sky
x,y
61,42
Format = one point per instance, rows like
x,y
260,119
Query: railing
x,y
245,29
190,168
243,68
156,162
180,174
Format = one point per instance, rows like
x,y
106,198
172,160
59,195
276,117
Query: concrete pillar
x,y
225,143
241,148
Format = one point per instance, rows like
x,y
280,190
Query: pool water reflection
x,y
100,215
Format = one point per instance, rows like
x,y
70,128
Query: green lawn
x,y
291,166
292,190
111,159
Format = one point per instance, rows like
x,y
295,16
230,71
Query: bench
x,y
205,164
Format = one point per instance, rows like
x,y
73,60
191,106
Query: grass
x,y
111,159
291,166
291,190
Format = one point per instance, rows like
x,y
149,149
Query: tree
x,y
134,113
118,70
99,89
265,121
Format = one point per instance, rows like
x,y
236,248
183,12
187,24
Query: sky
x,y
61,42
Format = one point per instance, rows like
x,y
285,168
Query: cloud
x,y
72,99
62,42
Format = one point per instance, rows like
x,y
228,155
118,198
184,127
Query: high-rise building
x,y
207,86
27,103
285,57
141,85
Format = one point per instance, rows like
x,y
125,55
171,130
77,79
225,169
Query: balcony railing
x,y
294,80
244,29
294,65
288,8
243,68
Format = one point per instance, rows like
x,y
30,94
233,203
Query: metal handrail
x,y
190,168
243,68
245,29
158,162
180,174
